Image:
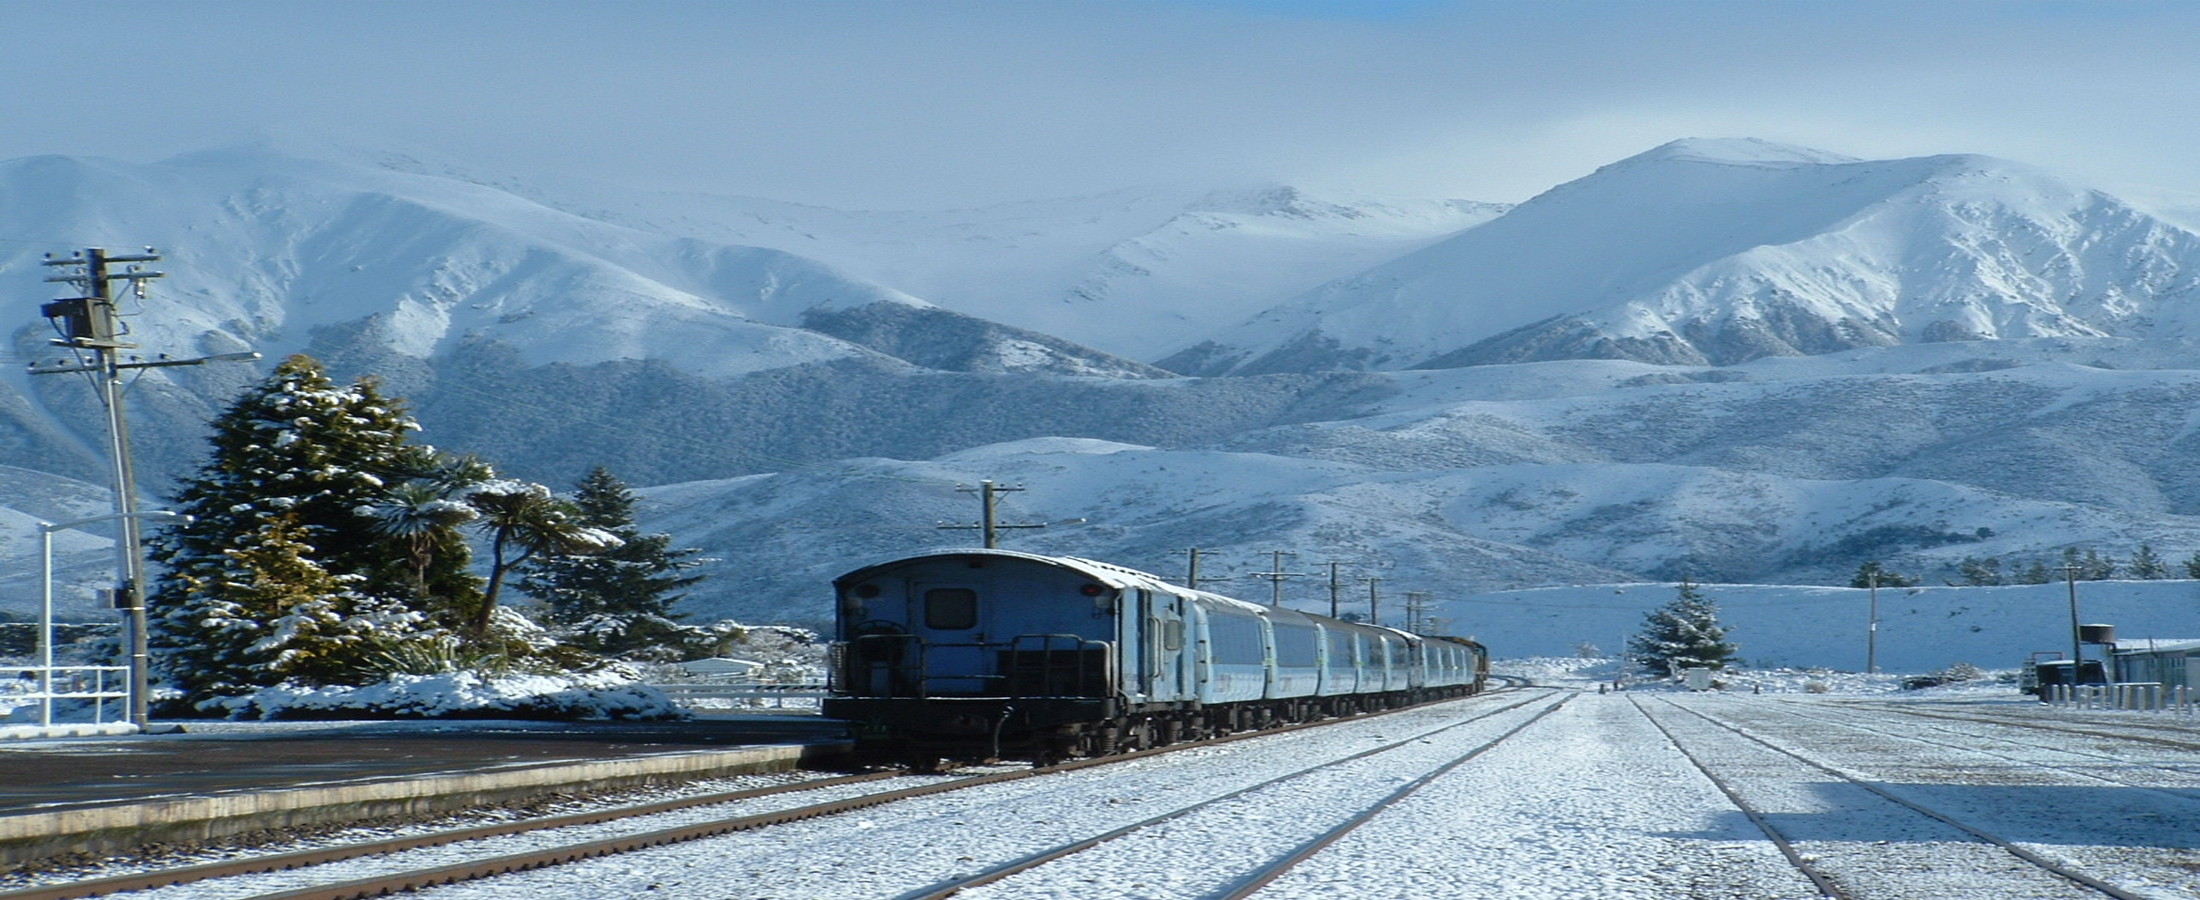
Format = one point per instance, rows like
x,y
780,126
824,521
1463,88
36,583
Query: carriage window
x,y
1172,634
951,609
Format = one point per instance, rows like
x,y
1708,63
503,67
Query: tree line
x,y
2085,564
324,547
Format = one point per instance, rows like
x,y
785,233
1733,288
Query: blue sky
x,y
853,102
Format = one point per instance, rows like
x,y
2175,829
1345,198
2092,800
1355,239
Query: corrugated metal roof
x,y
2149,645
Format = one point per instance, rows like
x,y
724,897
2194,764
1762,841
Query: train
x,y
998,654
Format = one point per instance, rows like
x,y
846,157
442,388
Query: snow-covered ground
x,y
1591,799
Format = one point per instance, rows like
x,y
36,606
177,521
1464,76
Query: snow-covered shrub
x,y
463,695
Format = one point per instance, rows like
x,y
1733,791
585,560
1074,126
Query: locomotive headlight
x,y
851,602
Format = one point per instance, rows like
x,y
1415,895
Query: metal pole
x,y
139,677
2077,653
45,623
1871,633
1333,588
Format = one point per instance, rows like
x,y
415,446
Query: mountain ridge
x,y
1684,257
795,414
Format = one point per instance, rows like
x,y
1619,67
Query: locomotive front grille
x,y
1065,672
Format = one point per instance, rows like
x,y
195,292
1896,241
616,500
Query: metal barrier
x,y
746,693
43,685
2151,696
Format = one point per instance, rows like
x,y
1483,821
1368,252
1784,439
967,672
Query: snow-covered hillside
x,y
1139,273
801,390
1497,477
1724,251
393,273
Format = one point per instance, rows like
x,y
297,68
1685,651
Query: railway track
x,y
1844,867
1266,872
2181,736
301,859
321,874
2006,733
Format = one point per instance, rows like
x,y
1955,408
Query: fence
x,y
2144,695
93,685
744,695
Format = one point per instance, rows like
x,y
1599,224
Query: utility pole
x,y
1416,607
1276,575
1871,633
2077,651
987,525
1191,574
1334,587
1374,615
89,323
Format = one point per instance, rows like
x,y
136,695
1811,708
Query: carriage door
x,y
950,620
1166,659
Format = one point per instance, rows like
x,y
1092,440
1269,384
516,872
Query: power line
x,y
988,524
1276,575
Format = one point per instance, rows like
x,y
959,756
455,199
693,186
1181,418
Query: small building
x,y
2172,664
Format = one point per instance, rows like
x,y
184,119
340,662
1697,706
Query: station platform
x,y
189,782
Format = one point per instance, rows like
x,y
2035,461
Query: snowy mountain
x,y
393,273
1999,364
1139,273
1724,251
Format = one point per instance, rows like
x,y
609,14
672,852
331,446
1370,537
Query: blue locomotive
x,y
989,654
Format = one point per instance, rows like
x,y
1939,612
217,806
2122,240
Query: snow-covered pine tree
x,y
297,461
617,602
1683,633
322,631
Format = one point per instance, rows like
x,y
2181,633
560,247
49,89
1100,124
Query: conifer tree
x,y
1683,633
1976,571
297,463
322,632
1873,574
618,601
2148,565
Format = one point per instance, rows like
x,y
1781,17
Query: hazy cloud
x,y
941,103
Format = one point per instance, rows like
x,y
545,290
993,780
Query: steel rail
x,y
1031,861
2012,849
1274,870
1825,884
2185,744
2071,768
382,885
298,859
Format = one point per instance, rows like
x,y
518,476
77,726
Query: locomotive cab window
x,y
950,609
